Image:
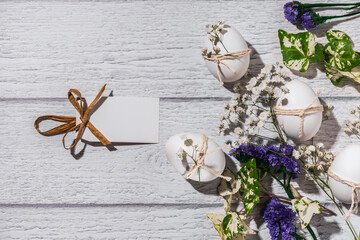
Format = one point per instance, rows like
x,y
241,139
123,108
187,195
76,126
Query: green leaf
x,y
230,226
339,52
249,185
335,35
298,50
306,209
335,75
226,188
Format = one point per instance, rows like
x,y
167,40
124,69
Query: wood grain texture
x,y
132,222
145,48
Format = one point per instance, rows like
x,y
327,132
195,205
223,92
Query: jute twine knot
x,y
70,122
301,112
355,186
218,59
199,161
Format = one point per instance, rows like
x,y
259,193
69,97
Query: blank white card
x,y
124,119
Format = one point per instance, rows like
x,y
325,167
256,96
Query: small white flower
x,y
264,115
277,93
234,117
211,38
208,30
252,82
276,79
236,97
320,154
283,74
248,122
204,51
319,145
311,148
296,154
245,97
255,97
260,124
353,111
244,140
216,49
233,103
238,131
262,86
307,152
284,89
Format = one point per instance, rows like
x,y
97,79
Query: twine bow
x,y
199,161
70,122
301,112
218,59
354,192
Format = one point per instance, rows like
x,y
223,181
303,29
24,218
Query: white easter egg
x,y
233,41
300,95
347,166
186,141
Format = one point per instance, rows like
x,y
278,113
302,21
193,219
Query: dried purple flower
x,y
291,11
279,220
307,20
270,155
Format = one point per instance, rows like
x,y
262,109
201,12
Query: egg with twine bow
x,y
344,177
299,111
196,157
233,59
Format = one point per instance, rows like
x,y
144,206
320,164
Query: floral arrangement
x,y
215,33
305,15
340,60
264,152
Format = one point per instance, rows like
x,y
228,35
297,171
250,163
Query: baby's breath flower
x,y
238,131
234,117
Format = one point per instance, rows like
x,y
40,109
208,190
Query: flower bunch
x,y
215,33
250,109
315,158
279,220
353,126
270,156
297,12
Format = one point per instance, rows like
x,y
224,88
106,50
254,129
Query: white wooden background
x,y
140,48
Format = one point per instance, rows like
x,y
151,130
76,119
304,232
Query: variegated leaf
x,y
334,35
230,226
226,188
339,52
335,75
250,188
298,50
306,209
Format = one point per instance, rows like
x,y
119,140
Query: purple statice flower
x,y
307,20
271,155
291,11
279,220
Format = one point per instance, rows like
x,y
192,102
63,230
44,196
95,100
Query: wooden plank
x,y
36,169
139,48
137,221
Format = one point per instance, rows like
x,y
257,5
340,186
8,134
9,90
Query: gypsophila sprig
x,y
250,110
315,159
215,33
353,126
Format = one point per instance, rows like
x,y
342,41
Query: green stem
x,y
332,198
330,5
291,196
221,42
341,16
273,116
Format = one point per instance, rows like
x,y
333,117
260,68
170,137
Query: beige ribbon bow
x,y
70,122
354,192
218,59
199,161
301,112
